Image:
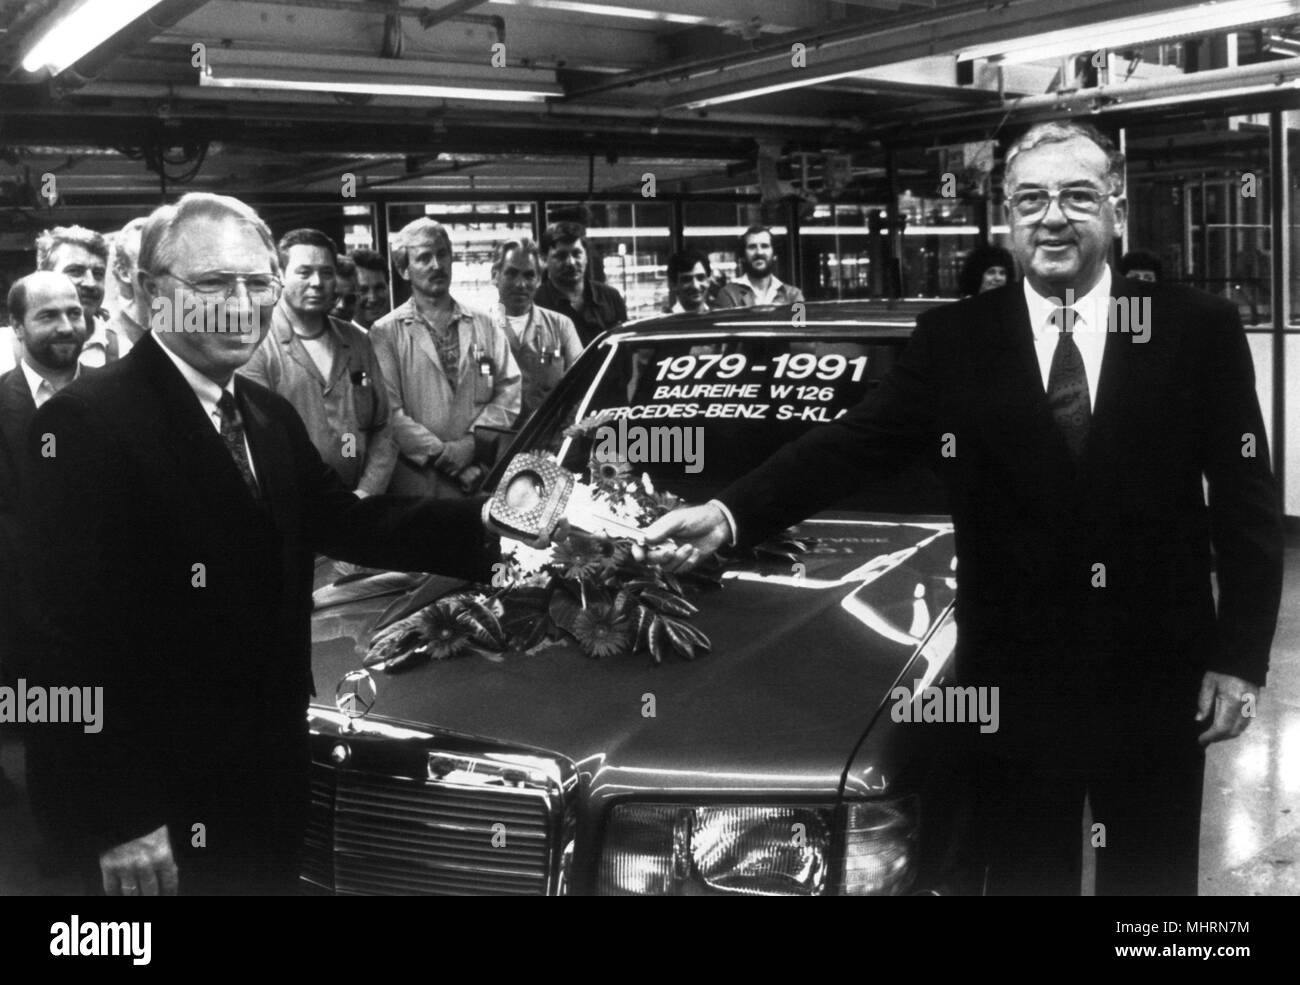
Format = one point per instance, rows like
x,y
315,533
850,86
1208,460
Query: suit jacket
x,y
1031,527
16,412
161,579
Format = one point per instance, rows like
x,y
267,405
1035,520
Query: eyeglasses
x,y
261,288
1033,203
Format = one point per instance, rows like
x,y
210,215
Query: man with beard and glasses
x,y
82,255
569,289
758,283
1106,441
448,368
51,331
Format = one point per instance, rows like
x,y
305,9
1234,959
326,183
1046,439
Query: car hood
x,y
803,656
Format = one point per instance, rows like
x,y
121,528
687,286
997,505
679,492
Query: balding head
x,y
48,318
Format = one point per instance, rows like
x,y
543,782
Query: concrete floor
x,y
1250,830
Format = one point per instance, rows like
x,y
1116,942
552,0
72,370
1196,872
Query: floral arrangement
x,y
587,588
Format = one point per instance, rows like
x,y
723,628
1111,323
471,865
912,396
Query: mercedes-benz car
x,y
776,762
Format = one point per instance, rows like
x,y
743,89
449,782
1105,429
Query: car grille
x,y
385,835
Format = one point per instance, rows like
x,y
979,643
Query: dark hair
x,y
980,259
565,231
752,230
303,237
370,260
684,263
1141,260
344,267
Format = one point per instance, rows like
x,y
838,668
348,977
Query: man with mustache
x,y
82,255
326,368
1076,452
448,369
51,330
758,283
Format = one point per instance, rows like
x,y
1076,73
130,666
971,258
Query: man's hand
x,y
143,867
456,455
1223,699
680,540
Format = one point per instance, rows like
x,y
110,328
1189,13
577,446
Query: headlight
x,y
879,847
663,849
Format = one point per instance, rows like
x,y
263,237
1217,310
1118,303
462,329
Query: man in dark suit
x,y
178,515
1073,417
50,330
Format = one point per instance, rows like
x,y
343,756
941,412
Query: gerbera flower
x,y
445,636
578,557
601,631
611,474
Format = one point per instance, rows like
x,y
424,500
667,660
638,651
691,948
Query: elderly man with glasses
x,y
1073,417
179,519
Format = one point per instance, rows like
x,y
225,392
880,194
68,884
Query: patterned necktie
x,y
232,433
1067,385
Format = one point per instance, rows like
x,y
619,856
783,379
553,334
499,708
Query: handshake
x,y
537,501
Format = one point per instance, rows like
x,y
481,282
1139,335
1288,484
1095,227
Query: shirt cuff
x,y
731,520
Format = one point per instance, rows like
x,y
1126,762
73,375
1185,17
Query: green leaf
x,y
667,602
680,640
482,623
660,644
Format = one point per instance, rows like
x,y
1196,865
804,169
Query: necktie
x,y
232,433
1067,385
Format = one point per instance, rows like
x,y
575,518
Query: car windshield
x,y
696,413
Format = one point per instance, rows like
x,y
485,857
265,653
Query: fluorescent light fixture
x,y
1132,32
607,10
801,82
79,29
376,76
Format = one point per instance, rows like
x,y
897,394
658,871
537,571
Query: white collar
x,y
35,380
772,289
208,391
1092,310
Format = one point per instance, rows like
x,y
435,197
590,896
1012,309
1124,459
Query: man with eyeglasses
x,y
326,368
179,515
1074,449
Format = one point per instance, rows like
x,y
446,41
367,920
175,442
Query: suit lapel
x,y
200,454
272,457
1014,341
16,409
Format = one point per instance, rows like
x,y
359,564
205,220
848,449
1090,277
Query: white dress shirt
x,y
761,296
1091,323
41,388
208,394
